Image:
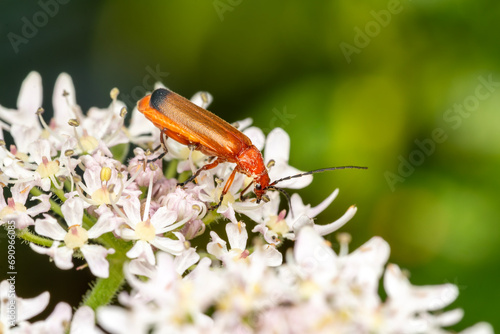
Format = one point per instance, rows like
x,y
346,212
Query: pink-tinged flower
x,y
75,238
14,310
14,208
47,169
237,236
148,231
185,202
38,167
139,161
103,182
211,190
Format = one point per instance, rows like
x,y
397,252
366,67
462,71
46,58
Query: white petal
x,y
186,260
230,214
39,149
30,307
22,220
44,183
323,205
104,224
282,169
365,267
162,218
272,256
217,247
449,318
139,124
202,99
479,328
41,207
72,210
244,123
84,322
417,298
96,258
174,247
277,145
312,253
132,209
114,319
142,250
24,135
57,321
141,267
329,228
63,104
237,235
127,233
49,227
257,137
29,99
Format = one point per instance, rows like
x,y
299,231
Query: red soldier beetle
x,y
185,122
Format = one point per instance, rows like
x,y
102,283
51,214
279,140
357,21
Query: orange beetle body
x,y
189,124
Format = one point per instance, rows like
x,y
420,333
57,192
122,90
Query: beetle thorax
x,y
251,163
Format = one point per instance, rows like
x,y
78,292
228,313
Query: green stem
x,y
59,193
30,237
210,217
105,289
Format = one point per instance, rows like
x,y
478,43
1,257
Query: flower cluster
x,y
71,193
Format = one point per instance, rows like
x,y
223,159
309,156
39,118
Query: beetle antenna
x,y
313,172
281,190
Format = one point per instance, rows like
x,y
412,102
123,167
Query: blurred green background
x,y
352,82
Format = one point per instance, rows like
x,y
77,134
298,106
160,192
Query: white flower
x,y
146,231
276,226
103,182
278,149
75,238
173,287
165,302
84,322
238,236
55,323
100,128
410,306
14,310
15,209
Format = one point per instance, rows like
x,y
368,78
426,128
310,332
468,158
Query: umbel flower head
x,y
71,190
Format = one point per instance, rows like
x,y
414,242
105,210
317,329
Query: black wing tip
x,y
158,97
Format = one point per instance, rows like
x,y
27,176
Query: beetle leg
x,y
211,165
228,184
244,191
163,139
